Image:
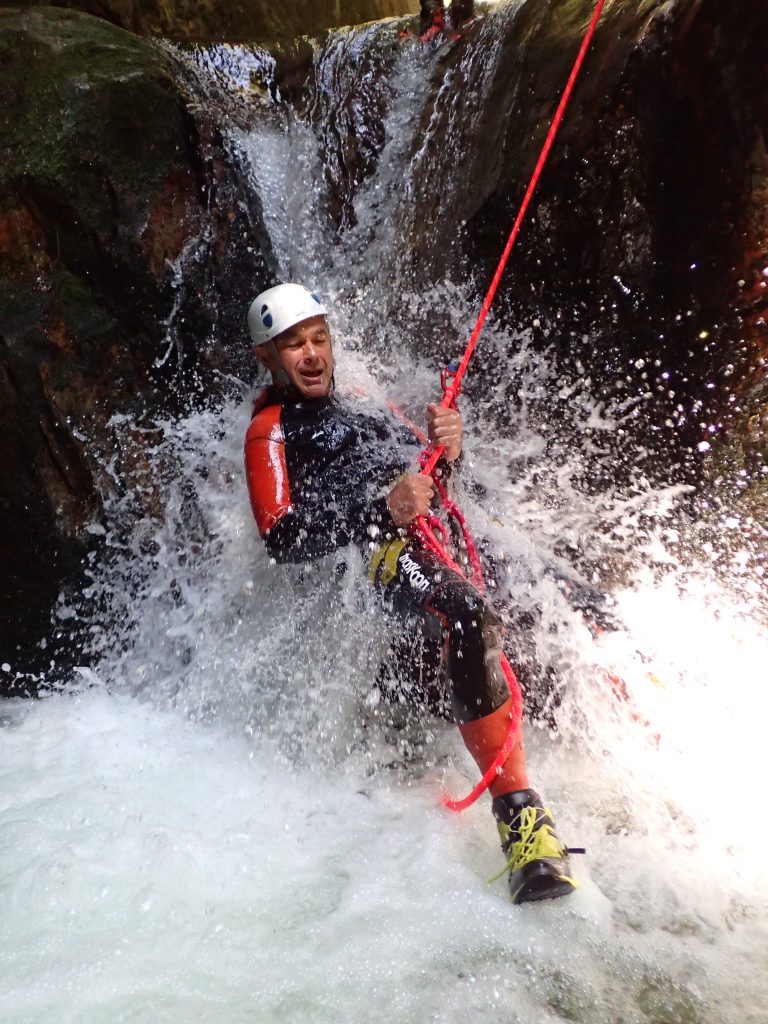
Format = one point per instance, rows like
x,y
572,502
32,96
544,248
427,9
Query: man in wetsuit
x,y
433,16
325,472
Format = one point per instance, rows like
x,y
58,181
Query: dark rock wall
x,y
234,20
647,235
125,244
649,227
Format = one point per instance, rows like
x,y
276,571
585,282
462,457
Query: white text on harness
x,y
411,569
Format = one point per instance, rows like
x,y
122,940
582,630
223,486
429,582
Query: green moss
x,y
91,114
78,305
20,305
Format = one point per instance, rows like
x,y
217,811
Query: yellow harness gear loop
x,y
385,559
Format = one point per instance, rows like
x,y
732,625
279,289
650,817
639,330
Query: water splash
x,y
224,824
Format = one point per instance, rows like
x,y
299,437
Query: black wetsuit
x,y
318,474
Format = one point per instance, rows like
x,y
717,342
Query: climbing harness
x,y
427,528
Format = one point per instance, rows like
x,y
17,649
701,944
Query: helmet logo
x,y
266,317
316,298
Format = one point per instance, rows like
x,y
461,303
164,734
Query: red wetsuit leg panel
x,y
266,470
484,739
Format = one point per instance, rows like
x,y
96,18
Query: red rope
x,y
450,395
431,455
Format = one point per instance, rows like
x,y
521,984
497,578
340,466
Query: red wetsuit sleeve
x,y
266,470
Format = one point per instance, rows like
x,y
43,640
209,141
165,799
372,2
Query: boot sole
x,y
542,883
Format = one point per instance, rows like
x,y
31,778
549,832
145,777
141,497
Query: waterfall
x,y
224,823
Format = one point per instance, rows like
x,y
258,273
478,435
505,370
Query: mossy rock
x,y
92,128
105,181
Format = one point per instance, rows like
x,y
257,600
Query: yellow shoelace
x,y
534,843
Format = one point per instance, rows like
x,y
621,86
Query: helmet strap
x,y
279,375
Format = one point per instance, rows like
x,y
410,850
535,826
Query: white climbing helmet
x,y
279,308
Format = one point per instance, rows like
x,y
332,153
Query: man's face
x,y
306,355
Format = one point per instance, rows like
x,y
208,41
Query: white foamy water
x,y
221,829
223,825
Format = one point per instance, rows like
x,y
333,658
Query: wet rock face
x,y
219,20
349,95
647,235
113,294
648,231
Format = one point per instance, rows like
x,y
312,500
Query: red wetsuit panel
x,y
265,468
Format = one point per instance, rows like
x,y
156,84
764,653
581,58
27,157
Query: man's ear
x,y
264,357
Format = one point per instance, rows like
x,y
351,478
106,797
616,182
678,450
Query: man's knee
x,y
474,636
463,610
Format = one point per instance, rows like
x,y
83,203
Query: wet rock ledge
x,y
107,205
204,21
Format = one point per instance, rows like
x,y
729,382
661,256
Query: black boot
x,y
462,11
536,860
